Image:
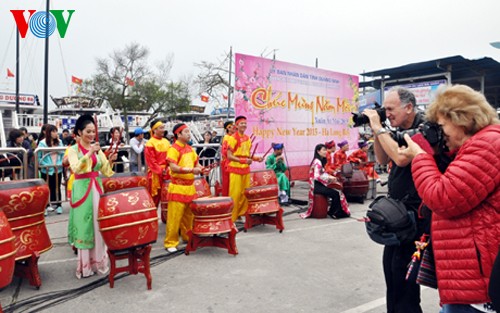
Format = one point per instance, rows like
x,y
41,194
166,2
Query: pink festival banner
x,y
297,105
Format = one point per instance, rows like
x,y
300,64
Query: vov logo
x,y
37,22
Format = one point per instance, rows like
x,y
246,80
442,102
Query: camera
x,y
361,119
432,132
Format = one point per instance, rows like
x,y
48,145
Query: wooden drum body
x,y
124,181
127,218
262,199
24,202
263,178
212,215
357,185
7,251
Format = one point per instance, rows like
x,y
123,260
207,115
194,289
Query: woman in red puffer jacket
x,y
465,200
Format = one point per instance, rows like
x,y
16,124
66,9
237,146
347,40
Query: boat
x,y
64,116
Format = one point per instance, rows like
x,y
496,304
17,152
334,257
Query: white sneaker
x,y
172,249
50,209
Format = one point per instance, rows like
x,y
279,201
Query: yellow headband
x,y
156,125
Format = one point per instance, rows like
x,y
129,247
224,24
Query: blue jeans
x,y
458,308
134,167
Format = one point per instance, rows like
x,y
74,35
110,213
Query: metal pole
x,y
17,71
229,88
316,62
46,74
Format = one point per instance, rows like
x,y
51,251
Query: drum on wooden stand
x,y
124,180
7,251
357,185
128,221
263,204
24,202
212,218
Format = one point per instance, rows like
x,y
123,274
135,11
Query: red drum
x,y
7,252
262,199
24,202
212,215
357,185
202,190
123,181
260,193
127,218
347,170
262,178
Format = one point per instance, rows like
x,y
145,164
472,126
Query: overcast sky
x,y
346,36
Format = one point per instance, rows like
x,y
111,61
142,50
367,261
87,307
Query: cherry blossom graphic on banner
x,y
297,105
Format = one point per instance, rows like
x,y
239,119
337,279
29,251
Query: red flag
x,y
9,73
129,82
204,98
76,80
224,96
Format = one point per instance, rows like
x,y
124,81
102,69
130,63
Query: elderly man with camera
x,y
400,109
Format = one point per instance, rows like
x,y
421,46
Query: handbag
x,y
422,269
389,222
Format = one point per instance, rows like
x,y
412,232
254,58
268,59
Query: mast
x,y
46,74
229,88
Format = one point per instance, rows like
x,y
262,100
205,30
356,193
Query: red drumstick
x,y
96,129
254,149
267,152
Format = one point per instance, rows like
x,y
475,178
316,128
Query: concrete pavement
x,y
315,265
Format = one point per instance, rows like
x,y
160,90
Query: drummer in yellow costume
x,y
155,154
183,163
238,155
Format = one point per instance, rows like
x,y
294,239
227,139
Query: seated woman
x,y
276,162
360,157
319,180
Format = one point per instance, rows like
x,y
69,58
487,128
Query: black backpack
x,y
389,222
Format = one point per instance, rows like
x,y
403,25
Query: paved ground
x,y
315,265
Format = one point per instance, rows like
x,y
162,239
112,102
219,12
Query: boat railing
x,y
13,163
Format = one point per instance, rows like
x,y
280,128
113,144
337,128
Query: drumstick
x,y
254,149
268,150
96,129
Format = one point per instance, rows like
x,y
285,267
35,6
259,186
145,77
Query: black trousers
x,y
402,296
494,288
335,207
54,182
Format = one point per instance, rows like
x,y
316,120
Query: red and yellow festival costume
x,y
224,164
339,159
361,157
239,172
330,164
155,154
181,192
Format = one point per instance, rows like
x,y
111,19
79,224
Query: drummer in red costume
x,y
340,157
360,157
155,154
183,163
238,155
330,162
229,128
